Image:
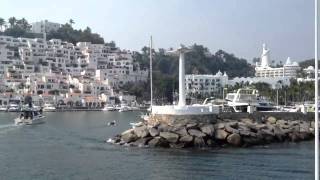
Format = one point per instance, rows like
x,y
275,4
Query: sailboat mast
x,y
151,102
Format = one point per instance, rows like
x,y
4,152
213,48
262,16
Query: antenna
x,y
151,74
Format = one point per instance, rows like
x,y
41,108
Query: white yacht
x,y
13,107
243,98
109,108
29,116
124,108
3,108
49,107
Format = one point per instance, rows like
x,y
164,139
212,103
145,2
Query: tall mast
x,y
151,103
316,110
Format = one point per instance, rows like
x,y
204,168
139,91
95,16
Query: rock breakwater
x,y
238,133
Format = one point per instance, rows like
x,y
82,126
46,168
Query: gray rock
x,y
196,133
141,142
129,136
247,120
304,126
141,131
271,120
186,139
279,134
219,126
170,137
181,131
294,137
230,129
191,125
153,132
158,142
199,142
164,128
221,134
234,139
208,129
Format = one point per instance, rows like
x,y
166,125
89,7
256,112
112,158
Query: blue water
x,y
70,145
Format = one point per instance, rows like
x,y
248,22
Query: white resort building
x,y
263,69
44,26
205,84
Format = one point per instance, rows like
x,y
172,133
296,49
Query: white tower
x,y
182,94
265,56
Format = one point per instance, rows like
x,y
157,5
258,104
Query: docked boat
x,y
109,108
29,116
264,105
3,108
124,108
243,98
49,108
13,107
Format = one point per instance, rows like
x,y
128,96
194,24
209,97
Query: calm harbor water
x,y
70,145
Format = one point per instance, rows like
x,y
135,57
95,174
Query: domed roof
x,y
219,73
310,68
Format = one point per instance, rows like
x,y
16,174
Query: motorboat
x,y
240,100
124,108
13,107
109,108
29,116
3,108
264,105
49,108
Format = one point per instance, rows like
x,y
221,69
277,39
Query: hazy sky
x,y
237,26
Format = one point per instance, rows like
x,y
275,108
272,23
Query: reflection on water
x,y
70,145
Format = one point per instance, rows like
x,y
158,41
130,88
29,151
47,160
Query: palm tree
x,y
71,21
12,21
2,23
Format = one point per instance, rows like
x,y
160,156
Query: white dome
x,y
310,68
219,73
295,64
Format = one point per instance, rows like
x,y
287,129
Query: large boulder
x,y
199,142
164,127
153,132
247,120
158,142
208,129
169,136
231,129
219,125
141,131
271,120
221,134
279,134
182,131
186,139
234,139
304,126
129,136
196,133
141,142
191,125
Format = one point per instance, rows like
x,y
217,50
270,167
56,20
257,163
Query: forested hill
x,y
21,28
307,63
198,61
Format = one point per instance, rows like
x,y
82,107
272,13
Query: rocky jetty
x,y
238,133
